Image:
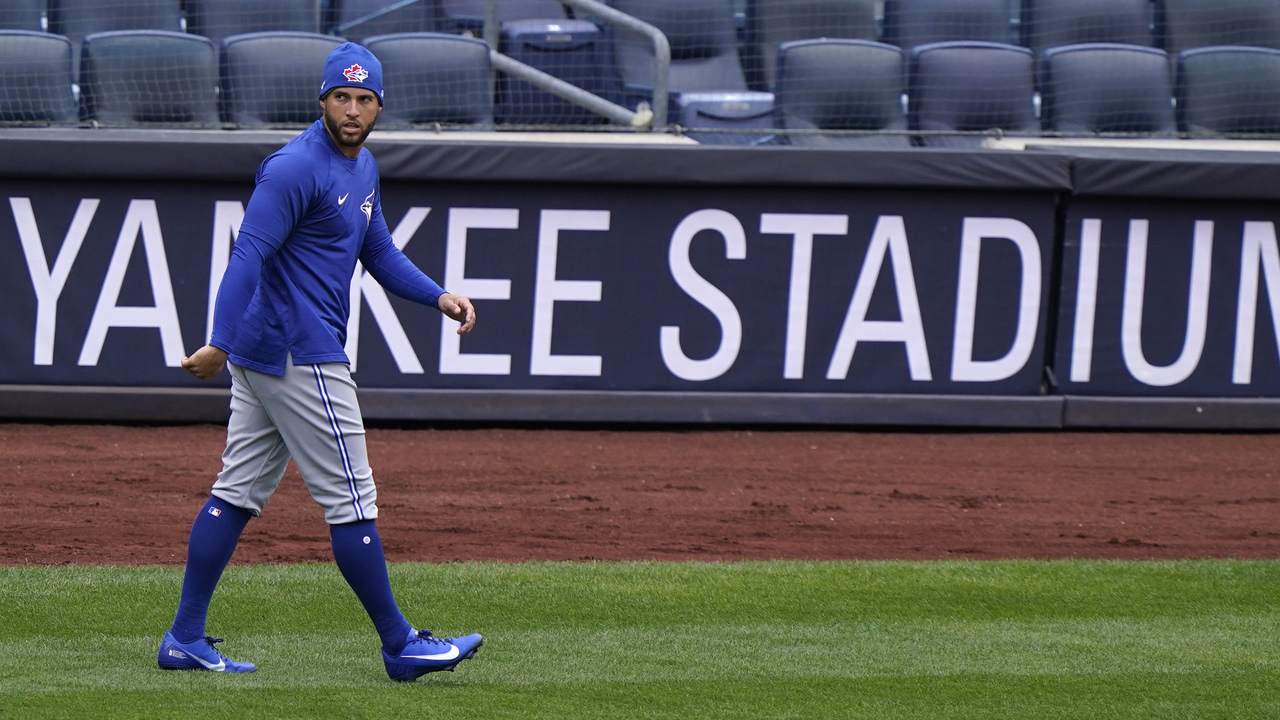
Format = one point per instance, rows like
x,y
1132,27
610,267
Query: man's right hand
x,y
205,362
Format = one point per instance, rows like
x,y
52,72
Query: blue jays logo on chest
x,y
367,207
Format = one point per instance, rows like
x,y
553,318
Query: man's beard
x,y
335,130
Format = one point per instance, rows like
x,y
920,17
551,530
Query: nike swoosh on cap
x,y
343,199
453,653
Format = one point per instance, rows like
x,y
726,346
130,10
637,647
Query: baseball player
x,y
280,326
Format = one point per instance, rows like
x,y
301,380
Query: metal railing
x,y
653,118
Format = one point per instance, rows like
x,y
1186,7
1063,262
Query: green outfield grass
x,y
668,640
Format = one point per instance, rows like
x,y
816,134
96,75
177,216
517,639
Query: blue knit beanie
x,y
351,65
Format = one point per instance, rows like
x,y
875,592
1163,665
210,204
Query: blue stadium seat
x,y
1049,23
841,85
1185,24
35,78
468,15
433,78
1106,88
422,16
272,78
769,23
22,15
218,19
571,50
726,118
970,87
1229,90
139,77
908,23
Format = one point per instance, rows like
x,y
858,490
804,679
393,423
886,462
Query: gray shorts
x,y
310,414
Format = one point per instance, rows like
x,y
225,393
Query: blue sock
x,y
358,552
214,536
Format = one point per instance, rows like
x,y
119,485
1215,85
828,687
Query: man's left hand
x,y
459,308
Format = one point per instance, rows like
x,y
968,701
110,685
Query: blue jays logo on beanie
x,y
351,65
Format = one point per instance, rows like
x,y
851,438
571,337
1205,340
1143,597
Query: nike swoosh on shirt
x,y
453,653
343,199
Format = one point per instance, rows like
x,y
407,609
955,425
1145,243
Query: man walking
x,y
280,326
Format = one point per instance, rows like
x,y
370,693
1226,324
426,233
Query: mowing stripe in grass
x,y
565,640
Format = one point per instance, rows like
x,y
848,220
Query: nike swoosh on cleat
x,y
343,199
219,667
453,653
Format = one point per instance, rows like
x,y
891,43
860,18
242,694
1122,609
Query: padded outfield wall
x,y
648,283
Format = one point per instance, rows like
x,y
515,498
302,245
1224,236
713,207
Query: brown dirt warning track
x,y
102,494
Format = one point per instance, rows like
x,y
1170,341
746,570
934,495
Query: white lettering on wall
x,y
547,290
48,283
363,285
1086,300
1197,307
706,294
452,360
227,216
141,217
801,228
973,231
888,238
1259,251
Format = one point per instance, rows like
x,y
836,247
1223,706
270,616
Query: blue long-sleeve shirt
x,y
286,290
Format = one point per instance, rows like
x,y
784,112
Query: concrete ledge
x,y
144,404
1172,413
114,404
714,408
138,404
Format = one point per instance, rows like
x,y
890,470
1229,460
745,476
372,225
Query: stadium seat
x,y
726,118
422,16
1049,23
433,78
571,50
273,78
840,85
35,78
769,23
468,15
218,19
22,15
78,18
137,77
970,87
1185,24
1106,88
703,38
1223,90
908,23
704,60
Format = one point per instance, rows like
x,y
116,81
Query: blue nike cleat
x,y
198,655
426,653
